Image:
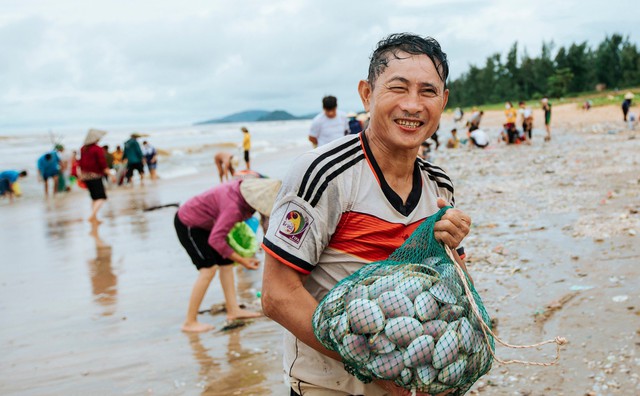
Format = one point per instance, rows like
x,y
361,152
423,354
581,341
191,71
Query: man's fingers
x,y
451,232
457,218
441,203
446,238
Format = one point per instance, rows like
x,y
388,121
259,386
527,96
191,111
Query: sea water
x,y
185,150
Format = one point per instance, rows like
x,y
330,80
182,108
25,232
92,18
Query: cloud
x,y
177,62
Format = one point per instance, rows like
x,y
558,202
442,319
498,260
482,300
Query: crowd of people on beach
x,y
477,137
88,168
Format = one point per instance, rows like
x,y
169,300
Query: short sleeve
x,y
303,217
439,182
447,195
314,130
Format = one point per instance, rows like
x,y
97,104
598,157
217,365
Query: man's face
x,y
406,101
330,113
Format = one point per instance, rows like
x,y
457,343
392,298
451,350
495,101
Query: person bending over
x,y
203,223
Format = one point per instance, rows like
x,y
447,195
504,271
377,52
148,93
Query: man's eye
x,y
397,89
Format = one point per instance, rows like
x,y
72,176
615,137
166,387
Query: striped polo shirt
x,y
335,213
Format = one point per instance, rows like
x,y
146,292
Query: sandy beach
x,y
553,251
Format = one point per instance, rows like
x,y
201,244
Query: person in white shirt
x,y
479,138
328,125
527,119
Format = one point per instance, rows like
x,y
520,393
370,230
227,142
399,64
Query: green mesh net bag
x,y
408,319
243,240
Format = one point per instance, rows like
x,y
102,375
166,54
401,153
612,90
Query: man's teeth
x,y
410,124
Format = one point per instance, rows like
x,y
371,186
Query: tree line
x,y
615,63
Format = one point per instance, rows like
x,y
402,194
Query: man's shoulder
x,y
339,144
323,164
436,174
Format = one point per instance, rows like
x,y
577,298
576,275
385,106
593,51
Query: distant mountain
x,y
278,115
243,116
256,116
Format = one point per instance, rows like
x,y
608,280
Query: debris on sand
x,y
542,316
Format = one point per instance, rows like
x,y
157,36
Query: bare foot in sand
x,y
94,220
196,327
243,314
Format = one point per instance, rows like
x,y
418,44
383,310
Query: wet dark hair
x,y
329,102
23,173
47,156
412,44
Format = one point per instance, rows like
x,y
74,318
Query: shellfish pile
x,y
410,323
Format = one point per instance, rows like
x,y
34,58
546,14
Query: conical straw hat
x,y
629,95
260,194
93,136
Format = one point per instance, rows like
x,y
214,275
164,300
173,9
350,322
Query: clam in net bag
x,y
410,319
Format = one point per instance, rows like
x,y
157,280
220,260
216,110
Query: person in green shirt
x,y
133,156
546,107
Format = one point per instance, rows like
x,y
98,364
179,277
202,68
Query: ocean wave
x,y
178,172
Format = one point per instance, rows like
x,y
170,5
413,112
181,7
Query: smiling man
x,y
354,201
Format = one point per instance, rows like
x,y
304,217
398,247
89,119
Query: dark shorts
x,y
4,186
479,145
196,242
49,174
137,166
246,155
96,189
150,165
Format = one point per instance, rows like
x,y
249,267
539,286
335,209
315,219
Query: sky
x,y
98,63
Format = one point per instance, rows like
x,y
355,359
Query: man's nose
x,y
412,103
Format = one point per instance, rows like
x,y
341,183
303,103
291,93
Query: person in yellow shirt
x,y
510,125
246,146
454,140
118,163
117,156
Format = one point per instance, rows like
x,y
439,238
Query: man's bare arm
x,y
285,300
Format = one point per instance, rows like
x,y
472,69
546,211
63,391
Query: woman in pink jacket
x,y
202,224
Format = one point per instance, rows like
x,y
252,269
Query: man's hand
x,y
453,227
393,389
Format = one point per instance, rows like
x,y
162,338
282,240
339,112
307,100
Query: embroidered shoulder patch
x,y
294,225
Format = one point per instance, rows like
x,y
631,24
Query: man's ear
x,y
365,90
446,99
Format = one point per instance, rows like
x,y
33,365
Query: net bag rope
x,y
487,332
414,318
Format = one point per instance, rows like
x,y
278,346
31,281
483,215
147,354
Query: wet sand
x,y
553,251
